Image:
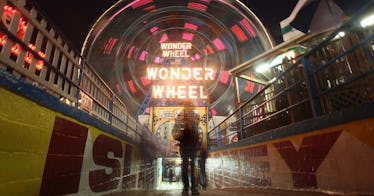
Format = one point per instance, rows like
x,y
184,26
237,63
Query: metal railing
x,y
335,74
32,50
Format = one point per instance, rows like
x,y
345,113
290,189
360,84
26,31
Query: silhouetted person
x,y
189,145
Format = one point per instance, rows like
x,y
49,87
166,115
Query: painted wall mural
x,y
46,153
334,159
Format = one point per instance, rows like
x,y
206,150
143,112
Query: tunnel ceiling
x,y
126,40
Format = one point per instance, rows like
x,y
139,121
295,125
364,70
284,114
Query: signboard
x,y
177,81
86,102
165,118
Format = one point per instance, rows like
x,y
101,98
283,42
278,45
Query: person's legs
x,y
192,164
185,172
194,189
204,182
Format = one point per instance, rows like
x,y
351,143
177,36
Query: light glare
x,y
368,21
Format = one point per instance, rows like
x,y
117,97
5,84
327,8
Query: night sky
x,y
75,17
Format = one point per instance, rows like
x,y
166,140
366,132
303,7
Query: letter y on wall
x,y
305,162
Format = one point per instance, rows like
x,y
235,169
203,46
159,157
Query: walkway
x,y
225,192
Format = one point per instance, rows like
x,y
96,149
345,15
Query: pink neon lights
x,y
214,75
224,77
214,112
197,6
119,92
239,33
130,52
249,86
197,56
153,29
209,49
248,27
150,8
138,3
219,45
109,45
190,26
131,85
157,59
145,81
188,36
164,38
143,55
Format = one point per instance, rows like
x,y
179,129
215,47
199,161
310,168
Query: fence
x,y
336,73
32,50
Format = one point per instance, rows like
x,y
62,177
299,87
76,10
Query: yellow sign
x,y
163,120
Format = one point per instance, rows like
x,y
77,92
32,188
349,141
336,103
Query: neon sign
x,y
179,78
175,50
180,73
179,92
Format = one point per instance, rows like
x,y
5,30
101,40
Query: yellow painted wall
x,y
25,131
25,134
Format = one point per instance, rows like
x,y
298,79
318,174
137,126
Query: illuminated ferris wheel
x,y
197,40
